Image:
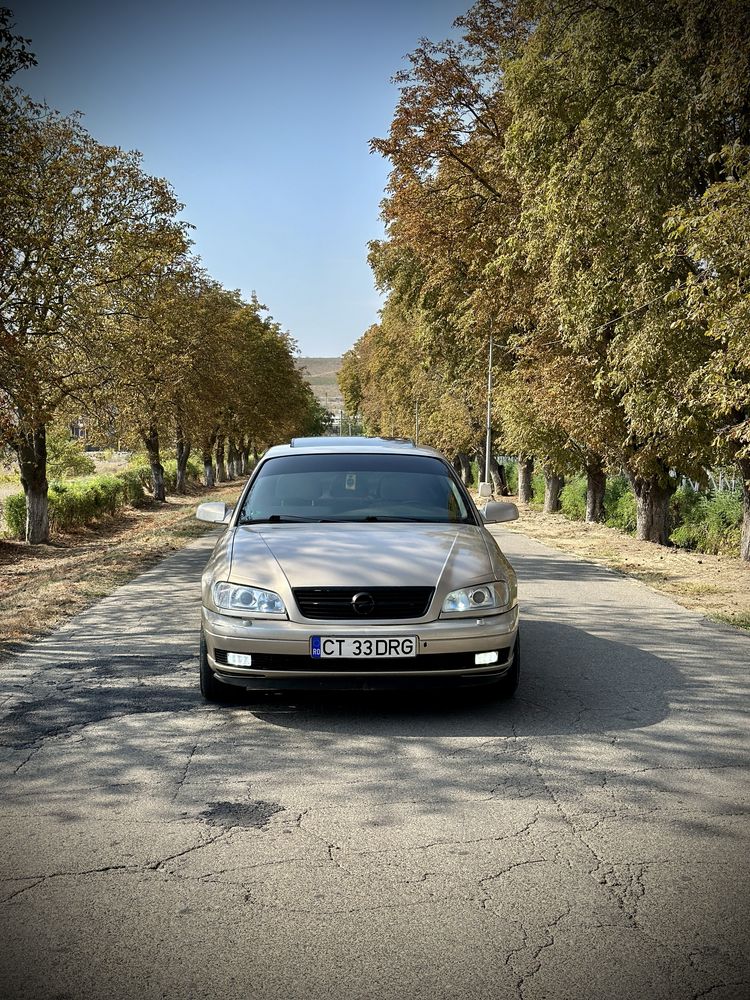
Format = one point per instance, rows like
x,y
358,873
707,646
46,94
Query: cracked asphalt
x,y
587,840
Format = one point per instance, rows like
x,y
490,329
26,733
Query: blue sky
x,y
259,114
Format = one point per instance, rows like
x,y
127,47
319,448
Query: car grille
x,y
389,603
425,661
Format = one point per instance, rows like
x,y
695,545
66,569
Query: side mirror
x,y
215,512
496,511
485,490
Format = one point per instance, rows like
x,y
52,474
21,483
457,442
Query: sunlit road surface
x,y
588,840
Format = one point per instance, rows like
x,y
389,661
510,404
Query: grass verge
x,y
41,586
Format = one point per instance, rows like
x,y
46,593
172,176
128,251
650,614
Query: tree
x,y
81,226
14,49
713,233
615,123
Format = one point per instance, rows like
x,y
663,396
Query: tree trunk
x,y
244,460
744,466
652,508
232,455
31,450
499,482
221,469
462,465
184,446
525,472
596,485
553,484
151,441
207,457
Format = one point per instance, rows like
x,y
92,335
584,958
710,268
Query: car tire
x,y
507,685
211,689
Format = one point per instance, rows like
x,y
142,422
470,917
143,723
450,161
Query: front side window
x,y
354,487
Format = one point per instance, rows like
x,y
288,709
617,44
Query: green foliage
x,y
619,504
511,477
139,467
66,457
573,499
78,502
132,485
707,522
537,490
14,513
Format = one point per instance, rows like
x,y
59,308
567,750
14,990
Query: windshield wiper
x,y
277,519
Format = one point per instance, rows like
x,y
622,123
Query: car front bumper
x,y
445,657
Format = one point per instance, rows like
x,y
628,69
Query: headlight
x,y
483,597
250,600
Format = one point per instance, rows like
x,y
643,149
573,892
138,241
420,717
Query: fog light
x,y
482,658
239,660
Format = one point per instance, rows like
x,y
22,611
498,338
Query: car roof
x,y
328,445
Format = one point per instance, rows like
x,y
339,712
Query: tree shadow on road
x,y
572,682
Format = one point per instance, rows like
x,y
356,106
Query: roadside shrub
x,y
139,466
66,457
193,473
709,523
573,499
131,481
619,505
14,514
685,504
77,502
511,477
537,490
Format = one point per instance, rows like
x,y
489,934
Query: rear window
x,y
354,487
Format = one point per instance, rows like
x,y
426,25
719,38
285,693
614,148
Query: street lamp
x,y
488,439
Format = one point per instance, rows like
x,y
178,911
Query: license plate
x,y
383,647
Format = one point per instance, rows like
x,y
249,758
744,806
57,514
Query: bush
x,y
685,503
76,503
511,477
66,457
537,490
139,466
620,506
709,522
132,485
14,512
573,499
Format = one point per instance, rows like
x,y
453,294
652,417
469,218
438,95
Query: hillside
x,y
321,374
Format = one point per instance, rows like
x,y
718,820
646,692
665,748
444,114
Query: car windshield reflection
x,y
368,488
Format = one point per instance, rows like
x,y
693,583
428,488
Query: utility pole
x,y
416,422
488,442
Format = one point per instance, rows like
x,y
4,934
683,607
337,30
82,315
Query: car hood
x,y
445,556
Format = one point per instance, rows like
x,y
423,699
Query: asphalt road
x,y
588,840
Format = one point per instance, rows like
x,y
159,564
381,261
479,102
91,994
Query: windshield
x,y
354,487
